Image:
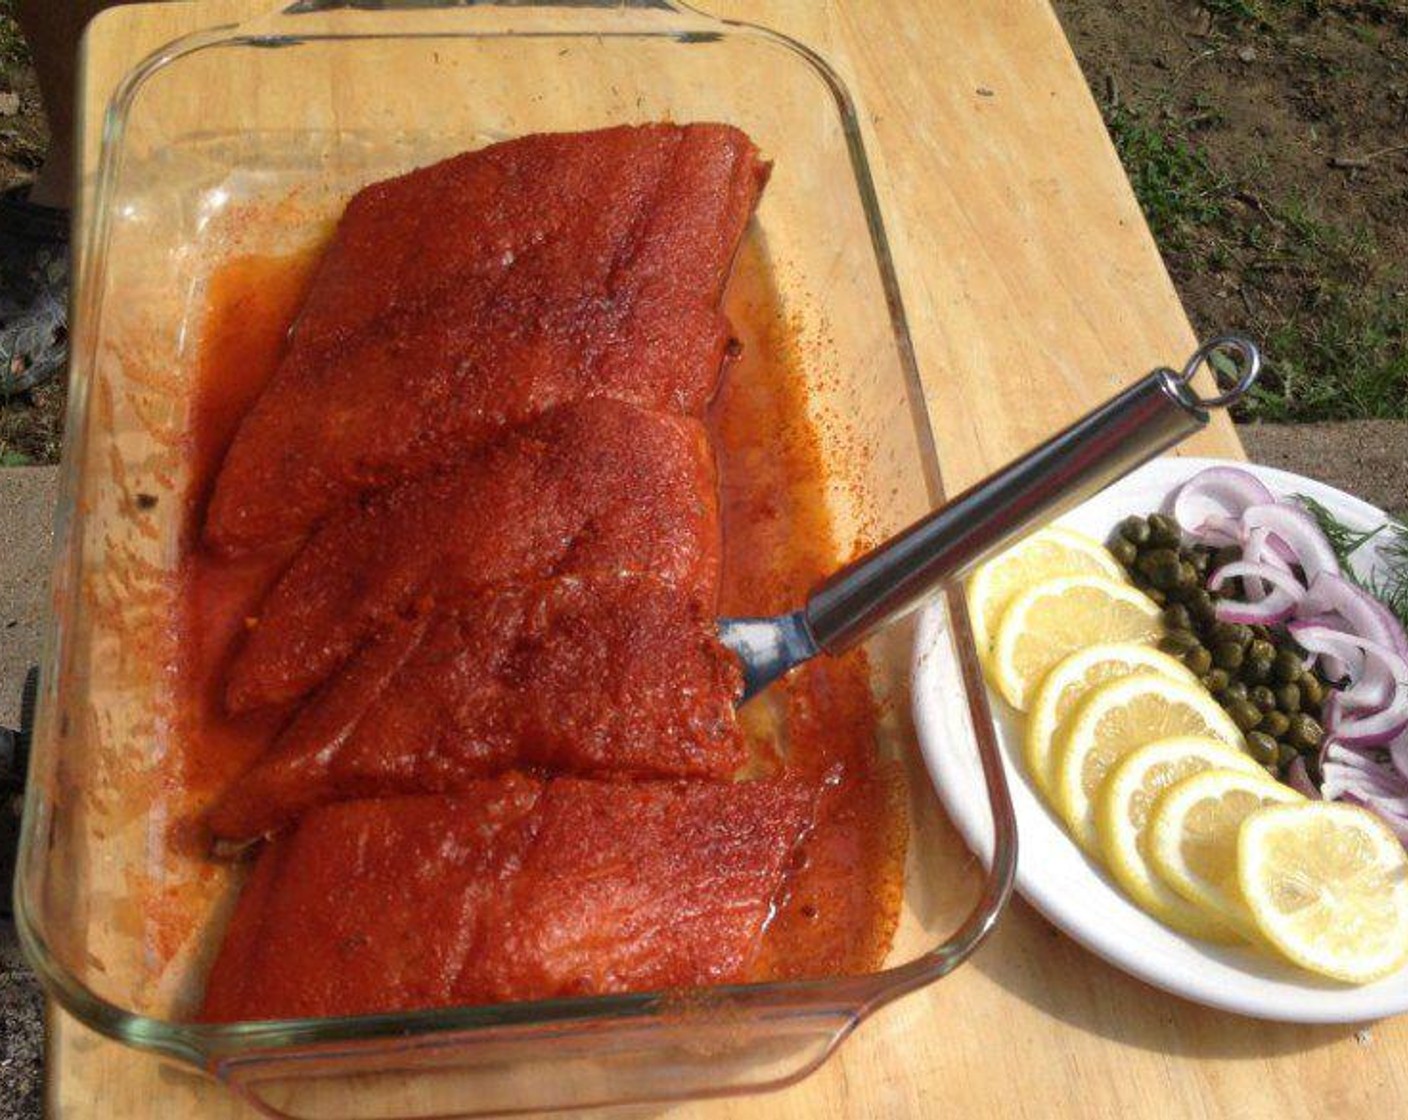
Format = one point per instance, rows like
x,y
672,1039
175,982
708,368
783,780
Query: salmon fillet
x,y
618,674
516,889
475,293
591,488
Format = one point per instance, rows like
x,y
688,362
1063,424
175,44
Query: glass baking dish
x,y
245,140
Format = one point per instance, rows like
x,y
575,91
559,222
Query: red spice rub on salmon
x,y
593,488
620,675
475,293
516,889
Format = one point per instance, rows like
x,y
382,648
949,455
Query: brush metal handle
x,y
1150,416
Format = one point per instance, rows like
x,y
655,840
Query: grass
x,y
1335,324
1276,15
13,51
31,427
1176,185
1345,358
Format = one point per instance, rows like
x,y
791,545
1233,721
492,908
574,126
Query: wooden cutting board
x,y
1033,289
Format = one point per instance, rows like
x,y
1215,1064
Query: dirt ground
x,y
30,426
1268,143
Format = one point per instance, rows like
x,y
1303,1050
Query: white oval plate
x,y
1053,874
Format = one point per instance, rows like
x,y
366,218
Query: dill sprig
x,y
1390,584
1343,539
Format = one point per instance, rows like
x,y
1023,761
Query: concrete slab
x,y
26,531
1367,458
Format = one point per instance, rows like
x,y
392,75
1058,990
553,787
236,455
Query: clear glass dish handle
x,y
292,18
305,7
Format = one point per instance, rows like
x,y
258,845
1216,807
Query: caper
x,y
1260,632
1286,668
1123,550
1304,732
1256,670
1312,692
1161,566
1177,618
1227,655
1275,724
1215,680
1262,649
1164,531
1263,698
1201,560
1263,748
1236,690
1233,632
1187,574
1134,529
1288,698
1200,606
1198,660
1244,713
1179,642
1286,755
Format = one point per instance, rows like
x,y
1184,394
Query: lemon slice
x,y
1045,555
1192,838
1059,616
1069,680
1122,806
1119,717
1327,885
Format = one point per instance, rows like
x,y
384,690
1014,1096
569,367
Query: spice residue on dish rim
x,y
843,900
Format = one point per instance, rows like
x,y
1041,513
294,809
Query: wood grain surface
x,y
1033,290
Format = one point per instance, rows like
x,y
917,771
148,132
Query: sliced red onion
x,y
1209,505
1276,607
1278,552
1356,777
1300,533
1385,805
1331,709
1397,824
1378,726
1298,778
1376,729
1253,552
1398,754
1258,550
1351,771
1341,654
1384,673
1374,709
1391,622
1216,530
1265,613
1262,547
1362,613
